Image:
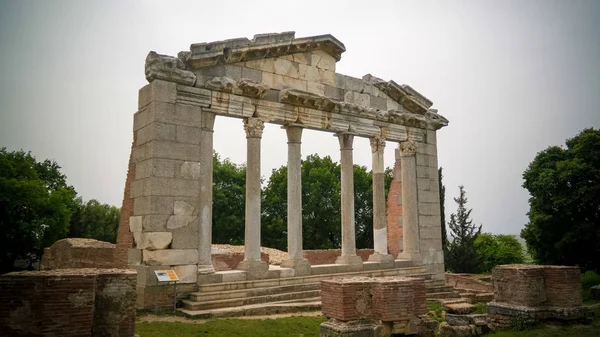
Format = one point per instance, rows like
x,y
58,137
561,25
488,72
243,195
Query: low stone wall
x,y
372,306
464,281
230,261
68,302
328,256
79,253
536,293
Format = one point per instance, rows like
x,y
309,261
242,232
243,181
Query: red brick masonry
x,y
68,302
79,253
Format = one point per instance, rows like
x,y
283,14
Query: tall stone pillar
x,y
410,209
252,263
379,209
294,203
348,233
206,193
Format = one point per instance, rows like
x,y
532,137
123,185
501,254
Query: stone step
x,y
254,309
438,289
460,308
416,271
242,293
236,302
443,295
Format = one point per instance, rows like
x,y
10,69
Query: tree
x,y
493,250
35,206
321,226
229,201
564,213
462,253
443,210
94,220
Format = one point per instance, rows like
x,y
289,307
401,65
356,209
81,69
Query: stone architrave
x,y
206,189
410,209
347,179
252,264
379,209
295,260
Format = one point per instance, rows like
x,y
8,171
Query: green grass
x,y
553,331
481,308
588,280
435,312
289,326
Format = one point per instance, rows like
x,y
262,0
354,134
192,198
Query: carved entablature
x,y
282,79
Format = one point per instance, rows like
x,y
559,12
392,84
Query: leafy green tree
x,y
229,201
94,220
564,213
35,206
461,256
443,210
321,226
494,250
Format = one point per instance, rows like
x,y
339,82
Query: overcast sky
x,y
513,77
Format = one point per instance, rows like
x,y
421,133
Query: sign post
x,y
169,276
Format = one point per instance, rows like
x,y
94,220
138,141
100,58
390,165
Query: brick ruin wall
x,y
124,236
68,302
388,299
78,253
537,286
394,213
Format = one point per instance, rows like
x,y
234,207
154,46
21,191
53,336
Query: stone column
x,y
410,208
252,263
379,209
206,193
294,203
348,234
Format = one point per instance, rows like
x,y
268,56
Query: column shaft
x,y
410,208
206,193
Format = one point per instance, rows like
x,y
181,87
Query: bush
x,y
494,250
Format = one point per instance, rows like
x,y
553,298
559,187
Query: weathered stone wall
x,y
536,286
68,302
79,253
463,281
328,256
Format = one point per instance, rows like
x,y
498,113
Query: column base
x,y
205,269
349,259
301,267
414,256
382,258
254,269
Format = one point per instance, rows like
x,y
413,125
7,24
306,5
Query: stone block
x,y
252,74
157,91
266,65
353,84
378,103
134,256
430,232
156,168
447,330
155,131
186,237
186,273
362,328
189,170
233,275
363,100
304,58
316,88
146,275
285,67
210,278
154,240
392,105
460,308
135,224
188,134
171,187
322,60
171,257
280,82
172,150
147,115
334,92
155,222
180,221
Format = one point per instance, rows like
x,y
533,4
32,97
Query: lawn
x,y
288,326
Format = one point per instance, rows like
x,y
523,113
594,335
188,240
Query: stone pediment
x,y
298,72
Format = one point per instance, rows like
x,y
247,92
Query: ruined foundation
x,y
79,253
68,302
536,293
363,306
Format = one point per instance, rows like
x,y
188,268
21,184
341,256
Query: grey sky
x,y
513,77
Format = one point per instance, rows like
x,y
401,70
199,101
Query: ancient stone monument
x,y
280,79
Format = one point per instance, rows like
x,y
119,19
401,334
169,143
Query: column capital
x,y
408,148
294,133
254,127
377,144
346,139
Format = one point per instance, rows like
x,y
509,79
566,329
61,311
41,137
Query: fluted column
x,y
252,262
206,193
379,209
294,203
410,208
347,208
